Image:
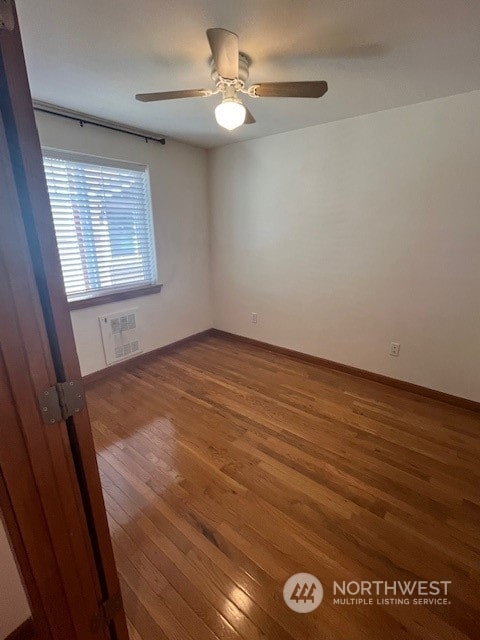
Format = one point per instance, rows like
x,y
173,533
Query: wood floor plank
x,y
227,468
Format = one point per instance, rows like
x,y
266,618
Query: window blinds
x,y
103,224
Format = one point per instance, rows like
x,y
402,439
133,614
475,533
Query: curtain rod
x,y
82,119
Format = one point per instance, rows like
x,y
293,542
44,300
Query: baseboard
x,y
141,358
432,394
457,401
25,631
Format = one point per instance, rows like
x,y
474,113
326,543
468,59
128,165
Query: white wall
x,y
347,236
14,608
178,181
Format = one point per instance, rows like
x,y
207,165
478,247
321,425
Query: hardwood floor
x,y
226,469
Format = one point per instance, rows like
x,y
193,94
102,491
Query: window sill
x,y
115,297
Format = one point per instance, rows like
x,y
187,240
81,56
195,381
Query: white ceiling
x,y
94,55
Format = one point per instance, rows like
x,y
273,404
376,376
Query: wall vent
x,y
120,335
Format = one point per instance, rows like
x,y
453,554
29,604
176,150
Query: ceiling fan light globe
x,y
230,113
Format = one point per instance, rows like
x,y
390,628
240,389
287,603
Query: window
x,y
103,223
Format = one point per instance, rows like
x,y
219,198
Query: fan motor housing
x,y
243,66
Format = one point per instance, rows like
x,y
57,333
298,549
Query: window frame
x,y
112,294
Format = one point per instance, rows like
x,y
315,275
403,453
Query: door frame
x,y
55,334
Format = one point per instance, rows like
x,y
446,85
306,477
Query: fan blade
x,y
249,119
224,46
314,89
172,95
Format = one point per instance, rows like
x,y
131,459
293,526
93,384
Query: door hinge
x,y
106,613
61,401
7,19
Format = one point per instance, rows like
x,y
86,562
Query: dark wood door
x,y
50,492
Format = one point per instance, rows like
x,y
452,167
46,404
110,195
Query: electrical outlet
x,y
254,318
394,349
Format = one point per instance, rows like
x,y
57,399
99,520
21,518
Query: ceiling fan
x,y
229,68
